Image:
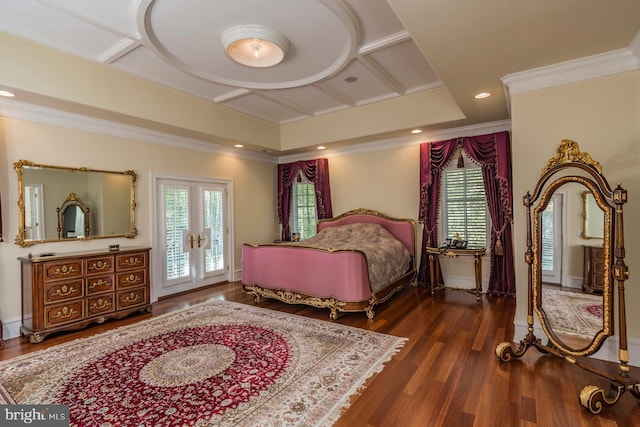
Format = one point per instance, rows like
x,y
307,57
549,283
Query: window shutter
x,y
304,210
465,211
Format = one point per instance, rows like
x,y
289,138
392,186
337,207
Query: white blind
x,y
304,210
176,220
214,221
548,238
465,206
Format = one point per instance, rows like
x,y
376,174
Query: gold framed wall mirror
x,y
101,202
576,314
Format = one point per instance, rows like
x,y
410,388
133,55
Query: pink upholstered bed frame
x,y
334,279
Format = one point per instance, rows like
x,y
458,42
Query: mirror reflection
x,y
572,269
61,203
73,219
593,217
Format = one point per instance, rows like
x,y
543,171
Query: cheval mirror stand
x,y
566,177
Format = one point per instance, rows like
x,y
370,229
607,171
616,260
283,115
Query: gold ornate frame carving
x,y
20,239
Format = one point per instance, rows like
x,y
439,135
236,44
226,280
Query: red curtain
x,y
493,153
317,172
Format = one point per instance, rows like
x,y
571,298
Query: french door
x,y
552,240
193,233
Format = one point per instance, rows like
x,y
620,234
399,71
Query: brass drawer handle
x,y
65,313
132,297
99,282
132,278
132,261
100,304
65,270
64,291
101,265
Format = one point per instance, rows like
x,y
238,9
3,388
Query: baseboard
x,y
608,351
463,282
11,328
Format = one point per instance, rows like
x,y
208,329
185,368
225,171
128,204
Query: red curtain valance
x,y
315,171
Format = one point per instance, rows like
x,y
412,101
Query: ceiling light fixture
x,y
416,131
7,93
238,145
482,95
321,147
254,45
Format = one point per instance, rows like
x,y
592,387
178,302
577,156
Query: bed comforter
x,y
387,258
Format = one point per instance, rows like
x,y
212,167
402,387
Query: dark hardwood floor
x,y
447,373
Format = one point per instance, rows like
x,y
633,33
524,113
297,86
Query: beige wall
x,y
603,116
253,184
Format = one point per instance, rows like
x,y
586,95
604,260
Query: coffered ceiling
x,y
345,54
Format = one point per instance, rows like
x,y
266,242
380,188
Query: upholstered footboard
x,y
356,261
335,305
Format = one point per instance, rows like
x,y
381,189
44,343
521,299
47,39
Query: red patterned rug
x,y
573,313
214,364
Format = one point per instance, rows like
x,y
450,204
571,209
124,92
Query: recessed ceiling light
x,y
321,147
482,95
238,145
416,131
7,93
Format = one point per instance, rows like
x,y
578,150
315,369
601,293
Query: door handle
x,y
191,240
200,239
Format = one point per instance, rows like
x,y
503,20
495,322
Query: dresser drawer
x,y
130,279
100,265
131,261
98,284
55,292
132,298
63,270
64,313
100,305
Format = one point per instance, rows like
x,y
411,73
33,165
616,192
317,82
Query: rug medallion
x,y
213,364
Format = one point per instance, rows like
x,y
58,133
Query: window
x,y
304,210
465,206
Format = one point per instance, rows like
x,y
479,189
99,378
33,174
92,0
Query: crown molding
x,y
404,141
33,113
604,64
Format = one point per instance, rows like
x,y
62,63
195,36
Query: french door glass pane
x,y
548,238
213,220
176,222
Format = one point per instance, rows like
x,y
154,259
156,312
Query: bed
x,y
355,262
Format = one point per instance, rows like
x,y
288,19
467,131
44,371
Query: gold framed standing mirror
x,y
575,319
73,219
106,204
572,173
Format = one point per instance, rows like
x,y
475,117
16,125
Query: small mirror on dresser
x,y
576,320
60,203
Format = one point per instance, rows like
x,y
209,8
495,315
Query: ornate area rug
x,y
573,313
213,364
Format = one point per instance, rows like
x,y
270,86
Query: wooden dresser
x,y
68,291
593,269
